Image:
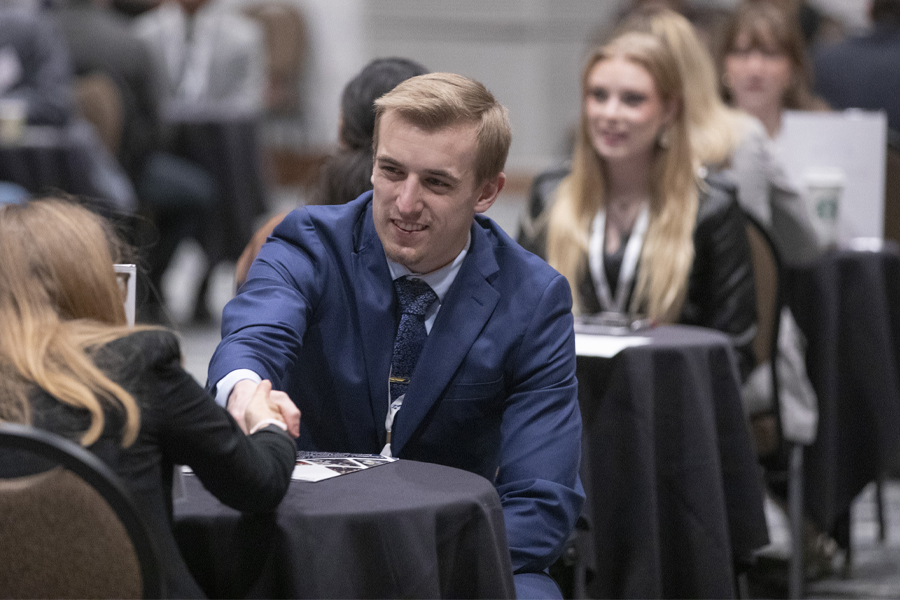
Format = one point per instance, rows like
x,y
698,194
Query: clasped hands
x,y
250,403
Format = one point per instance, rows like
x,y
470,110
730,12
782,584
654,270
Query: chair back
x,y
71,530
286,46
767,280
100,103
766,427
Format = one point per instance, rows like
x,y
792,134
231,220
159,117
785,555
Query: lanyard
x,y
629,260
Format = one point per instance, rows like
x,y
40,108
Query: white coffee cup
x,y
824,188
13,114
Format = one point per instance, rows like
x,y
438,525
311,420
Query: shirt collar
x,y
440,280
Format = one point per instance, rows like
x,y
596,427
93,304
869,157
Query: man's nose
x,y
409,196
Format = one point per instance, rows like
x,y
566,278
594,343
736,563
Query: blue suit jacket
x,y
494,391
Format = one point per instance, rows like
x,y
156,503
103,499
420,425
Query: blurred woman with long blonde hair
x,y
632,226
70,364
736,144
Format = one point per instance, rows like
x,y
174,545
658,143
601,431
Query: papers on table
x,y
606,346
316,466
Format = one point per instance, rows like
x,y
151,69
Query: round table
x,y
46,159
405,529
674,497
848,305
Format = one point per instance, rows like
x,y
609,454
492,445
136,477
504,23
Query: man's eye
x,y
438,183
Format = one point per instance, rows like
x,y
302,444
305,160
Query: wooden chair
x,y
100,103
286,48
767,272
68,527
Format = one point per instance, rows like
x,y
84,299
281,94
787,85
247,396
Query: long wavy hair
x,y
59,301
715,128
668,250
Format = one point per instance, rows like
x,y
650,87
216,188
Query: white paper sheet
x,y
605,346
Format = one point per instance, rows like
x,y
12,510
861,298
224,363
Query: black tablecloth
x,y
848,306
405,529
674,492
229,150
48,159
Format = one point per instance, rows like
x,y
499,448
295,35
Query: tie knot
x,y
415,296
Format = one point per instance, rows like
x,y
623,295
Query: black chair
x,y
68,526
784,462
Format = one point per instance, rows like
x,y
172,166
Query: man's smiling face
x,y
425,193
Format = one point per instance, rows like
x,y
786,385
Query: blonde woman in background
x,y
736,144
632,226
731,141
70,364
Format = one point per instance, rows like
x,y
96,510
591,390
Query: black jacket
x,y
180,424
721,293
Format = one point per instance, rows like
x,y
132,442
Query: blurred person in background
x,y
348,173
213,69
72,366
732,142
174,194
631,225
764,66
102,41
765,71
212,56
35,69
864,71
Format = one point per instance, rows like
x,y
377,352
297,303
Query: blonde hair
x,y
715,128
59,301
668,250
437,100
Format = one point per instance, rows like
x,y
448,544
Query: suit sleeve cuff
x,y
227,383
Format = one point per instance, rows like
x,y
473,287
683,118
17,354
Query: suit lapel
x,y
375,310
466,308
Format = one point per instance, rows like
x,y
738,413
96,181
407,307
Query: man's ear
x,y
488,192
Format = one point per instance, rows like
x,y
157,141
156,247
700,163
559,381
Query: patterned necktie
x,y
415,297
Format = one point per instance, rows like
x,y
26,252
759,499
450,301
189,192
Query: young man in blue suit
x,y
325,314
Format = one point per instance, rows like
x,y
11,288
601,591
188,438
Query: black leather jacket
x,y
721,293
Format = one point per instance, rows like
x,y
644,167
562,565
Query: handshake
x,y
255,405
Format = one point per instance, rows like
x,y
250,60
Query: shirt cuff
x,y
266,423
227,383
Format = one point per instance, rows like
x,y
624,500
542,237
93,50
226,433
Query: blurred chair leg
x,y
580,584
879,504
842,537
742,585
795,508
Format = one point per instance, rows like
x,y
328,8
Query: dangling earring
x,y
665,138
